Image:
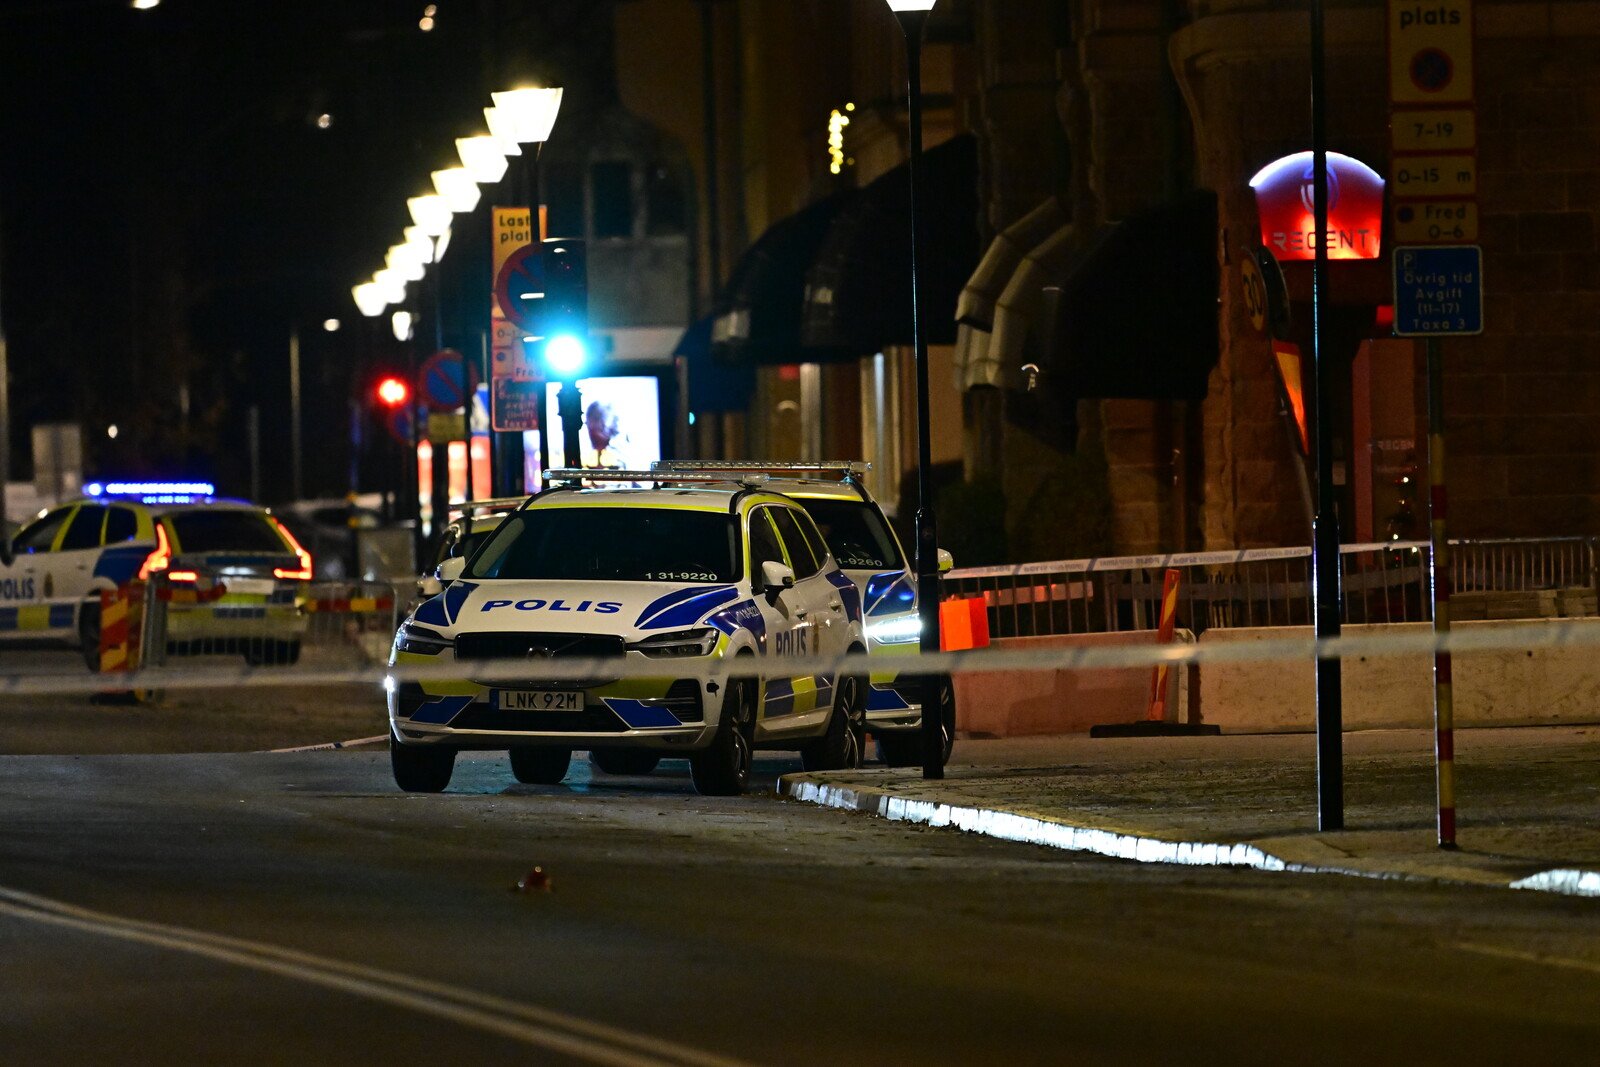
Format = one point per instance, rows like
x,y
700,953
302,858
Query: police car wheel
x,y
841,747
89,635
421,768
537,765
722,769
903,748
624,760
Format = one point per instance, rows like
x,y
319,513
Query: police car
x,y
475,521
238,574
684,576
866,548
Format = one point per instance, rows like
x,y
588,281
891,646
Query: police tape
x,y
1552,634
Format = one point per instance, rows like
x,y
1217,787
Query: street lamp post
x,y
524,117
913,16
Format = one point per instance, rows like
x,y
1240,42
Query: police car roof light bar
x,y
586,474
845,467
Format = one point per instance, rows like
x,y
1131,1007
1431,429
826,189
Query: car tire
x,y
539,765
903,748
842,746
421,768
89,635
635,761
722,768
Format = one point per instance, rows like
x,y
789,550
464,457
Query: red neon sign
x,y
1284,200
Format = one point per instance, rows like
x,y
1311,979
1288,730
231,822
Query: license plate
x,y
538,700
249,585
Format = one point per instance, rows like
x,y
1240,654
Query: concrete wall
x,y
1016,703
1501,687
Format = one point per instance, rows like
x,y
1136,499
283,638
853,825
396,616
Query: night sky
x,y
170,209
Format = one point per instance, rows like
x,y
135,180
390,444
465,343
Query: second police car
x,y
864,544
680,576
246,570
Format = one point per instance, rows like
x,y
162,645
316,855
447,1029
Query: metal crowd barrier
x,y
1385,582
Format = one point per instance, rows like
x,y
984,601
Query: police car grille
x,y
537,650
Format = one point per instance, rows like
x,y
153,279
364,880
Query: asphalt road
x,y
261,908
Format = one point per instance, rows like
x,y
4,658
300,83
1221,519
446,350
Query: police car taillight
x,y
304,573
160,559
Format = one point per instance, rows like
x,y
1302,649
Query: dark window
x,y
800,557
218,530
667,210
819,547
764,546
856,533
611,184
85,529
121,525
563,198
40,534
611,544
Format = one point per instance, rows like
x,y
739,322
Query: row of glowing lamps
x,y
518,117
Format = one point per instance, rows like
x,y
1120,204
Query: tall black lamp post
x,y
913,16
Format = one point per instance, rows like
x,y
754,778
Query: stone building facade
x,y
1089,114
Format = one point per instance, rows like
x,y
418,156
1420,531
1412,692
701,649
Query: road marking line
x,y
526,1023
330,745
1531,957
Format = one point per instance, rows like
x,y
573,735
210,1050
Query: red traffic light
x,y
392,392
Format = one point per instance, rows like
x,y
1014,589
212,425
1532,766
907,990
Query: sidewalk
x,y
1528,802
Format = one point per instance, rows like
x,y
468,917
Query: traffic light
x,y
564,312
392,392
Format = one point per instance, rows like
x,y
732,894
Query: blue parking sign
x,y
1438,290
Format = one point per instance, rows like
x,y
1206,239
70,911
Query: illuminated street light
x,y
565,355
530,113
911,5
457,188
431,213
391,285
501,129
331,325
144,5
369,298
401,322
482,157
405,261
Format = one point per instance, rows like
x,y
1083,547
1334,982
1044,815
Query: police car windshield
x,y
856,533
217,530
611,544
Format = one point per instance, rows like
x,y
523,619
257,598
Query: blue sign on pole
x,y
1438,290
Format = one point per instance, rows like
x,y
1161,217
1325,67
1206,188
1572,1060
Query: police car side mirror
x,y
429,585
775,577
451,569
947,562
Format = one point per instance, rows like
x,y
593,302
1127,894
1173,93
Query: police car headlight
x,y
900,630
421,641
698,642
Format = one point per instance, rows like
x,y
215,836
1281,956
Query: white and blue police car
x,y
863,543
683,576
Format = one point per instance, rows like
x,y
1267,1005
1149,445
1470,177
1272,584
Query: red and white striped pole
x,y
1439,571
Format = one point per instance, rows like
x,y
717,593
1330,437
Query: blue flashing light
x,y
565,354
153,492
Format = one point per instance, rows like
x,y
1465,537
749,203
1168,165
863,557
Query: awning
x,y
1138,317
757,319
858,292
713,386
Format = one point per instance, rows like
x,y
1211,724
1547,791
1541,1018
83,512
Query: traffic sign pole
x,y
1325,563
1439,581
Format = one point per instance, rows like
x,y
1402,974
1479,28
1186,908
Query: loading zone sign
x,y
1438,290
